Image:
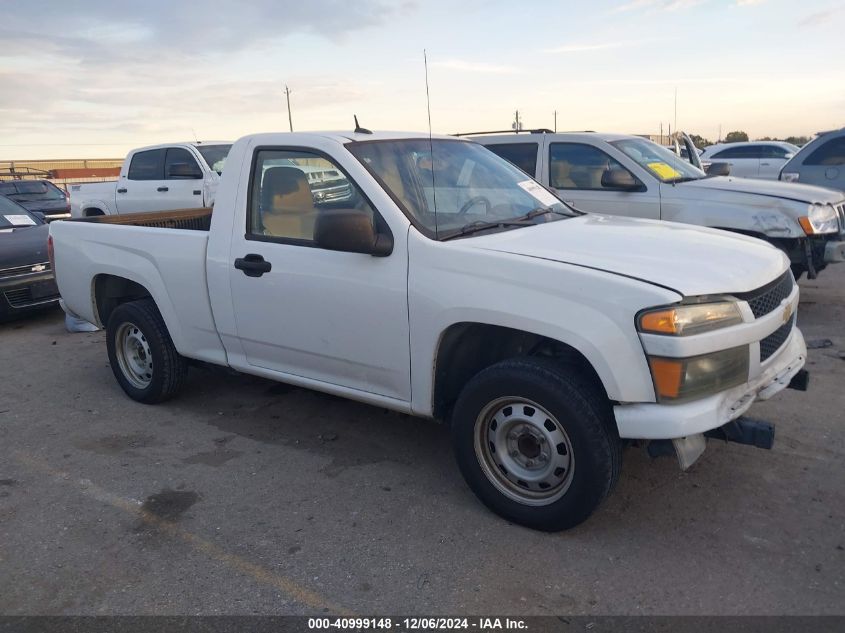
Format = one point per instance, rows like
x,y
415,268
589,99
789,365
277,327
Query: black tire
x,y
578,405
168,368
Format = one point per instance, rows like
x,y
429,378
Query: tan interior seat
x,y
561,175
287,207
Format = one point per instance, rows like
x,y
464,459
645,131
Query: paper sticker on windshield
x,y
539,193
19,220
664,171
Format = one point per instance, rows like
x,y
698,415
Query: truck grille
x,y
774,341
769,297
25,270
32,295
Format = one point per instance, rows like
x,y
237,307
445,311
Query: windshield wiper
x,y
675,181
522,220
480,225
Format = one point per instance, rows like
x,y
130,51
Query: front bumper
x,y
23,293
671,421
834,252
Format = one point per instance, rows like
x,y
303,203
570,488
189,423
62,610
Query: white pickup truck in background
x,y
440,281
156,178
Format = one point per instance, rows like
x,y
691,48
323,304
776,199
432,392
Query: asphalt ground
x,y
245,496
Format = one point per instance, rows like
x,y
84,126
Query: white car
x,y
627,175
156,178
450,285
754,159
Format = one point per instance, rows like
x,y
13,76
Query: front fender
x,y
773,218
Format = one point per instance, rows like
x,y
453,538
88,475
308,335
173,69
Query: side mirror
x,y
718,169
350,231
620,179
183,170
788,155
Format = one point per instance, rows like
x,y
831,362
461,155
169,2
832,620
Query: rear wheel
x,y
536,443
141,353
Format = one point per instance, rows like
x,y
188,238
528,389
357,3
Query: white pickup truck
x,y
156,178
629,175
447,284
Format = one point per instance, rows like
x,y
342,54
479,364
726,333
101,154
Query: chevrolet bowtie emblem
x,y
787,312
39,268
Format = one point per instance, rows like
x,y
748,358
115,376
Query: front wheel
x,y
141,353
536,442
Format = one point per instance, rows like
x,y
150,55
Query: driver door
x,y
334,317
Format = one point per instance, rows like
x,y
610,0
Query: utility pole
x,y
287,96
516,125
555,121
719,140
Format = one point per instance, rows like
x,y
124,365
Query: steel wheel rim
x,y
133,355
524,451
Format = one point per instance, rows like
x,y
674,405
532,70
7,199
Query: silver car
x,y
820,162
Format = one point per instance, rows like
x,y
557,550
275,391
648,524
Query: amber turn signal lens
x,y
667,374
662,322
806,225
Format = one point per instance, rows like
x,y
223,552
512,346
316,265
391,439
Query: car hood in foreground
x,y
23,246
772,188
687,259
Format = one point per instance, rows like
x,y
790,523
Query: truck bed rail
x,y
190,219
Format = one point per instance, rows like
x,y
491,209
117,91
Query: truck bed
x,y
190,219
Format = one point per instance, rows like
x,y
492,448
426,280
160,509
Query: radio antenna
x,y
430,143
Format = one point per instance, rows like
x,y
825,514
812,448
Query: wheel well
x,y
467,348
93,211
110,291
758,235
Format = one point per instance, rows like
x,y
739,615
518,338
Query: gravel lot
x,y
245,496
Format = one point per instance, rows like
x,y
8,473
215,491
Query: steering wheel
x,y
474,201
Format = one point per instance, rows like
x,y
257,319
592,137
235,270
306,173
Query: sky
x,y
95,78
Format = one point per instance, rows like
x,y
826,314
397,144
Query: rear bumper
x,y
666,421
24,293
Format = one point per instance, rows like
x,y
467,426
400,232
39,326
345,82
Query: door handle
x,y
163,189
253,265
121,190
765,164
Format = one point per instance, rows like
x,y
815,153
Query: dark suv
x,y
38,196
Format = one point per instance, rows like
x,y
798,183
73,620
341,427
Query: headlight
x,y
682,379
820,218
685,320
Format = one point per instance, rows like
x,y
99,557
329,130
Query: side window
x,y
735,152
180,165
523,155
290,189
578,166
147,165
830,153
773,151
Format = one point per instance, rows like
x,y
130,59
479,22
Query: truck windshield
x,y
663,163
450,186
214,156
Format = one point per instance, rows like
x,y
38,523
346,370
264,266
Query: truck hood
x,y
687,259
771,188
23,246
